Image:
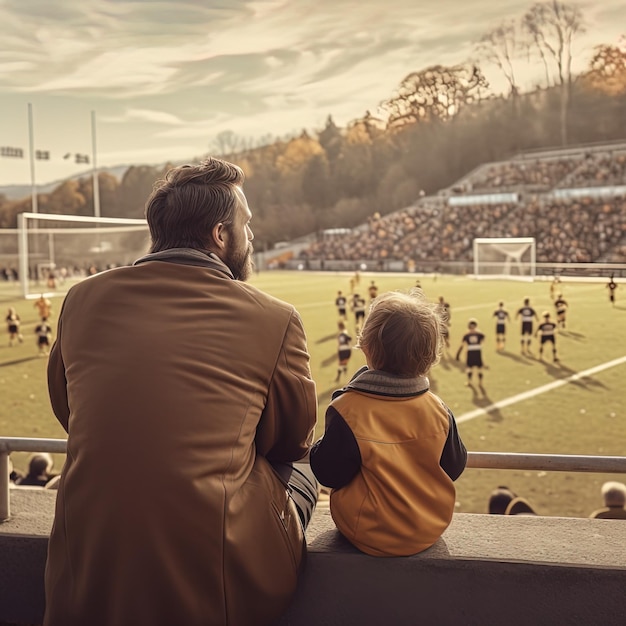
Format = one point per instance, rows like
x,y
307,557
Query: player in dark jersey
x,y
358,308
472,340
547,331
13,326
611,286
341,303
502,317
528,314
561,310
43,332
344,351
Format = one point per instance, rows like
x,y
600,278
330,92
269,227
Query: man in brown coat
x,y
187,396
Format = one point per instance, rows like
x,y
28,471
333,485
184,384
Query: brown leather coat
x,y
176,384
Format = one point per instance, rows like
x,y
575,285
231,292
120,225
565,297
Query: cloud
x,y
144,115
170,75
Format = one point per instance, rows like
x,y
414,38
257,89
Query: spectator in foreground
x,y
500,499
614,495
215,383
14,475
504,501
519,506
39,468
391,451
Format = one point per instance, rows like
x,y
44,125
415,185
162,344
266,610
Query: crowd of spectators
x,y
576,229
598,170
545,173
584,169
580,230
583,230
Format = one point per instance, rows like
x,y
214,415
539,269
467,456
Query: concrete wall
x,y
485,570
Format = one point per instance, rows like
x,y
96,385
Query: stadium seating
x,y
573,202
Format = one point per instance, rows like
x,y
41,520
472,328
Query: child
x,y
13,325
391,449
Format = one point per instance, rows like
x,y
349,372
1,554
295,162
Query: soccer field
x,y
575,406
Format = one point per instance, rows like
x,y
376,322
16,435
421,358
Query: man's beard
x,y
239,262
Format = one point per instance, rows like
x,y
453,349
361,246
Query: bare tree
x,y
227,143
436,93
552,27
500,46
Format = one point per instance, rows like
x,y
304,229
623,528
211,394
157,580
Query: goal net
x,y
512,257
56,251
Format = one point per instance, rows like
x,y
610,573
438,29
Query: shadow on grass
x,y
518,358
481,400
17,361
327,338
559,371
570,334
329,360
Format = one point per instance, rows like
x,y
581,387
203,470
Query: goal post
x,y
506,257
56,251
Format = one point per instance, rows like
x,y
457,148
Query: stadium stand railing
x,y
476,460
485,570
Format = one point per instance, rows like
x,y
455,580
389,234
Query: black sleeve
x,y
454,455
335,458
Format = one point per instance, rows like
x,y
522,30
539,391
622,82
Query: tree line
x,y
439,124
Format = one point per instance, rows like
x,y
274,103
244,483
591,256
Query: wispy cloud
x,y
167,75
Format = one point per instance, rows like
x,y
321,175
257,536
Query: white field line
x,y
520,397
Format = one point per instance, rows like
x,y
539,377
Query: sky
x,y
146,82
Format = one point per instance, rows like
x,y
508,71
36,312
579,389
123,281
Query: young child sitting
x,y
391,450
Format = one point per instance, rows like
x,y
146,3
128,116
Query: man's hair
x,y
402,334
614,493
190,201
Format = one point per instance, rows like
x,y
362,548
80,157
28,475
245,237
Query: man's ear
x,y
219,235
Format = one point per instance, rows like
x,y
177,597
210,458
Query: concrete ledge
x,y
485,570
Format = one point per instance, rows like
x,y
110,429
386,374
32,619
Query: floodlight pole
x,y
31,141
96,187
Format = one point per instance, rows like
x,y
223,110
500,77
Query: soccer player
x,y
612,286
43,332
472,340
341,303
358,308
502,317
372,290
344,351
528,314
547,330
443,309
561,310
13,326
553,286
44,306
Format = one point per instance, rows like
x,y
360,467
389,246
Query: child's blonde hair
x,y
402,334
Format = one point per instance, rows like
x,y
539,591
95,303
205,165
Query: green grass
x,y
585,416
